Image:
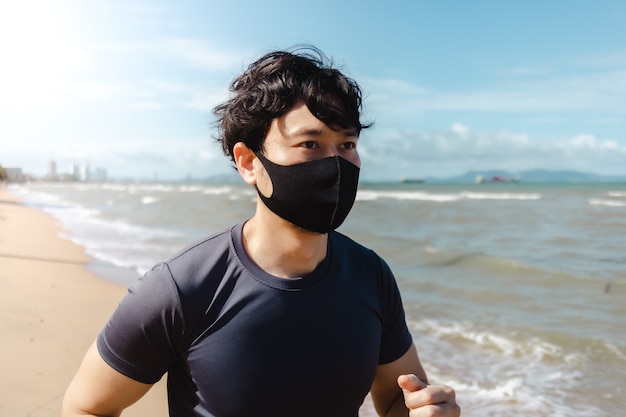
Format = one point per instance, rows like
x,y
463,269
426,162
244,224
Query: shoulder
x,y
188,271
192,265
184,285
345,243
196,251
365,264
347,248
201,270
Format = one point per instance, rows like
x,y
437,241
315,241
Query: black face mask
x,y
315,195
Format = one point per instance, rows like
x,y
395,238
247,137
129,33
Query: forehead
x,y
299,121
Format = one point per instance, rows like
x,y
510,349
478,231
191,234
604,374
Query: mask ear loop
x,y
264,162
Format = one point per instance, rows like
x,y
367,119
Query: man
x,y
279,315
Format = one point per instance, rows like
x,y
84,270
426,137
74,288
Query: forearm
x,y
397,407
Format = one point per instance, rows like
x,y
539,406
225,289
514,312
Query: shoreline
x,y
54,299
112,273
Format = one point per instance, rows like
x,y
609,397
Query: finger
x,y
440,410
410,383
433,397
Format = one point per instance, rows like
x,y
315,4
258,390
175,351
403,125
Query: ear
x,y
244,158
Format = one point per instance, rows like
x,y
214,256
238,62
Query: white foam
x,y
149,200
114,187
190,188
496,374
609,203
501,196
113,241
217,190
368,195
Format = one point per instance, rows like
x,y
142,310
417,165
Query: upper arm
x,y
385,389
98,389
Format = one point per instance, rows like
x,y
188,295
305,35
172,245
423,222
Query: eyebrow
x,y
305,131
318,132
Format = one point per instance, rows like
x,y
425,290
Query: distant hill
x,y
532,176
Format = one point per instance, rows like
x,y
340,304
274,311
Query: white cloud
x,y
193,53
586,143
139,9
447,153
201,54
145,105
596,92
38,93
460,129
206,101
44,65
167,158
207,154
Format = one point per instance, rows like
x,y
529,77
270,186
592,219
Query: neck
x,y
280,248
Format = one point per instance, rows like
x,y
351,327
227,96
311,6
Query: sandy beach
x,y
51,309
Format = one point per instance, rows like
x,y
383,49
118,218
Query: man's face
x,y
298,136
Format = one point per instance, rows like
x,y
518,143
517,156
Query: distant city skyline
x,y
74,172
129,85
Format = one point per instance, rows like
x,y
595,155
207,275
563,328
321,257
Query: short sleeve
x,y
396,337
141,336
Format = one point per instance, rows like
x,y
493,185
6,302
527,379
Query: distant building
x,y
74,171
83,172
100,175
14,174
52,169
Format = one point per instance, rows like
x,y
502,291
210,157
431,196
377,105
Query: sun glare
x,y
36,52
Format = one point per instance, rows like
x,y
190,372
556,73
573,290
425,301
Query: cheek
x,y
264,183
355,159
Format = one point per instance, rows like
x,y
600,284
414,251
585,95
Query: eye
x,y
309,144
349,145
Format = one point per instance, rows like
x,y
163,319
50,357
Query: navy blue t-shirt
x,y
237,341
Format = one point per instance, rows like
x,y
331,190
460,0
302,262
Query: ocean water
x,y
515,293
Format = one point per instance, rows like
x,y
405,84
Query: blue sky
x,y
451,86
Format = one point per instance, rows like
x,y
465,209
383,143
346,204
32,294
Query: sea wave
x,y
496,370
367,195
163,188
112,240
149,200
608,203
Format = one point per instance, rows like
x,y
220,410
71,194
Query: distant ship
x,y
496,179
406,180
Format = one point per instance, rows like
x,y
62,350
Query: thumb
x,y
410,383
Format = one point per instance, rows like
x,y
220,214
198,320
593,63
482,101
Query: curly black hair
x,y
273,84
